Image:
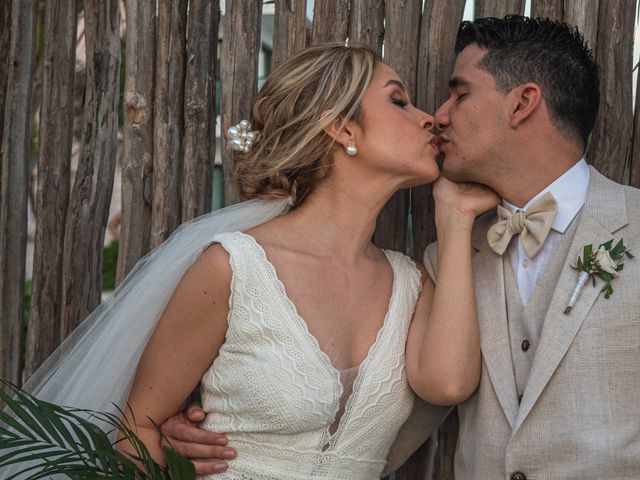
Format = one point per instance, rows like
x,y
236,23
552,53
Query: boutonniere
x,y
605,263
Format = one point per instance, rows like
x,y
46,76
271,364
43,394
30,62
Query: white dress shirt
x,y
570,191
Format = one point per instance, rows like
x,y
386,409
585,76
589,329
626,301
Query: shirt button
x,y
525,345
518,476
525,263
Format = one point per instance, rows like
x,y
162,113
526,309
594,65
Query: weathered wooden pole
x,y
498,8
199,107
330,21
402,35
289,30
14,155
138,134
52,198
584,15
168,121
91,195
553,9
5,44
239,77
440,22
614,55
366,23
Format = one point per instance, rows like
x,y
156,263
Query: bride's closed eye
x,y
399,101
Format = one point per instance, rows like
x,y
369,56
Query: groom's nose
x,y
441,116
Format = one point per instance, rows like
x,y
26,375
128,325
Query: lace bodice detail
x,y
276,394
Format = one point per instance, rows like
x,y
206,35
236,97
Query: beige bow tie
x,y
533,225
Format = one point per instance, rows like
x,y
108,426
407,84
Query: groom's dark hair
x,y
551,54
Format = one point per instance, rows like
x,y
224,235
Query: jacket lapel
x,y
596,226
492,317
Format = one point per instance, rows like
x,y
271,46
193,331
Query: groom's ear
x,y
526,99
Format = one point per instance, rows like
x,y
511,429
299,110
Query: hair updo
x,y
299,99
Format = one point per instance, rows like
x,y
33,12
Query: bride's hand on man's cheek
x,y
466,199
207,450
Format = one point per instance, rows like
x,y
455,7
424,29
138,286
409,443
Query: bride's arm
x,y
443,348
183,346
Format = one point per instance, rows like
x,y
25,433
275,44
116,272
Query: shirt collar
x,y
570,191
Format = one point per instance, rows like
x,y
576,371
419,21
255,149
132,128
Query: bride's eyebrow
x,y
397,83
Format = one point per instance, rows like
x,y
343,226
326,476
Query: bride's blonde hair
x,y
299,99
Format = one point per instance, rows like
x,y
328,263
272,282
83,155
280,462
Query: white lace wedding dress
x,y
277,395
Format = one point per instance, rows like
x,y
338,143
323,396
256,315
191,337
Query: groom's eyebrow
x,y
457,82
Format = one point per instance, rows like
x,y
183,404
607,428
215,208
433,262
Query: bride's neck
x,y
340,219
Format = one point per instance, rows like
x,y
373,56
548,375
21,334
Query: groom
x,y
559,396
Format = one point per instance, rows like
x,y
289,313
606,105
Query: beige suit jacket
x,y
580,412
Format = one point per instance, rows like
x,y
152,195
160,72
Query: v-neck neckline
x,y
315,345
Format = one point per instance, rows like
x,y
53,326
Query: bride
x,y
296,328
307,339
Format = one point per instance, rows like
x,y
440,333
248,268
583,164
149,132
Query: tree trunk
x,y
91,196
498,8
402,36
13,186
289,30
54,162
609,153
330,21
239,72
367,23
138,134
168,122
435,63
199,107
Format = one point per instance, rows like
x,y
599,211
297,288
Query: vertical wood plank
x,y
553,9
5,43
199,107
168,118
138,134
54,163
447,439
634,179
367,23
13,185
330,21
93,185
498,8
239,77
289,29
609,153
440,22
584,15
402,34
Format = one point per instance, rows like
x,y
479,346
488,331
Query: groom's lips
x,y
435,141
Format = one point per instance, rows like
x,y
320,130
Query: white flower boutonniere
x,y
605,263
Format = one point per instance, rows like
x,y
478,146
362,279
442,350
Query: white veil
x,y
94,367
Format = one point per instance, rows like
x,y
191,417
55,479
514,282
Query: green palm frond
x,y
43,439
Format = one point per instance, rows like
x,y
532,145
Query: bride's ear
x,y
339,131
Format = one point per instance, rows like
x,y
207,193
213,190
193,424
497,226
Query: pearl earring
x,y
351,148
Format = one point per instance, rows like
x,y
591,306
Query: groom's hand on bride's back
x,y
207,450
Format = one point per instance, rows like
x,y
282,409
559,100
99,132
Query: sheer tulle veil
x,y
94,367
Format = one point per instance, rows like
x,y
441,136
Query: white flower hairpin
x,y
241,137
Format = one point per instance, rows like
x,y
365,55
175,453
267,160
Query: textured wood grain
x,y
13,186
367,23
330,21
553,9
91,195
290,29
54,162
199,108
239,77
498,8
138,134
